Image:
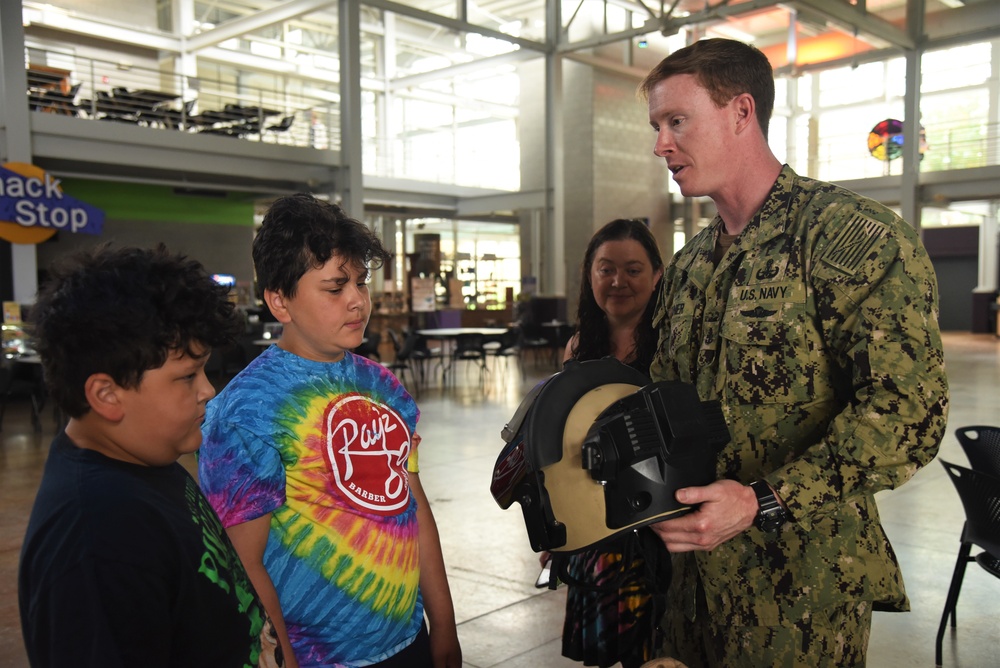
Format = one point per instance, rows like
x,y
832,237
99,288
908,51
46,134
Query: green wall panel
x,y
131,201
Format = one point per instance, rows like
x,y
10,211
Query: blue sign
x,y
30,197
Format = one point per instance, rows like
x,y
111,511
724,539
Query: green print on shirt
x,y
219,558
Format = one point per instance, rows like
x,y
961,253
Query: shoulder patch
x,y
852,243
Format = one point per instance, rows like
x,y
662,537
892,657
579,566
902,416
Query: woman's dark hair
x,y
300,232
594,331
725,68
121,312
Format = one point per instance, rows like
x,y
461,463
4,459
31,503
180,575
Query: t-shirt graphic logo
x,y
367,444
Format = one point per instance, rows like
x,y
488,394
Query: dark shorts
x,y
416,655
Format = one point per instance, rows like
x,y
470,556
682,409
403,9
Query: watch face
x,y
771,521
770,516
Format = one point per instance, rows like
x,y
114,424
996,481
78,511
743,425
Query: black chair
x,y
980,495
22,381
57,102
108,108
424,354
401,365
510,345
469,348
534,340
281,126
982,447
560,337
369,347
176,119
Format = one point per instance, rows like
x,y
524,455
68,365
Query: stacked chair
x,y
979,489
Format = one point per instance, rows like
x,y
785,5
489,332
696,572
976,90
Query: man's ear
x,y
104,396
276,302
745,108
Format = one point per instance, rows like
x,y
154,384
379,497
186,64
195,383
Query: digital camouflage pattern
x,y
818,333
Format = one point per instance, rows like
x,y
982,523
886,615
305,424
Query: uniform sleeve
x,y
661,324
241,473
877,302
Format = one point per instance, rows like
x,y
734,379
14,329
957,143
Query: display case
x,y
16,340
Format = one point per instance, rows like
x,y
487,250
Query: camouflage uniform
x,y
818,332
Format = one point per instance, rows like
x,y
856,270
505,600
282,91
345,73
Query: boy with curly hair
x,y
124,563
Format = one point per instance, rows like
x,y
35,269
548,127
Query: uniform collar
x,y
772,219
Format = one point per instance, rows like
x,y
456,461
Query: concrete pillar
x,y
15,139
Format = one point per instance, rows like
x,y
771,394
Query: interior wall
x,y
581,172
216,230
222,249
611,171
954,251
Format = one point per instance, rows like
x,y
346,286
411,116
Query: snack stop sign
x,y
33,206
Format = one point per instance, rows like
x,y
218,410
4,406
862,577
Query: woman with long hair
x,y
612,606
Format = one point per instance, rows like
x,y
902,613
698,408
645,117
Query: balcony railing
x,y
106,91
948,147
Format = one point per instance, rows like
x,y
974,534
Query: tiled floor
x,y
504,622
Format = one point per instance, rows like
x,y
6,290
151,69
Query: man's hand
x,y
727,509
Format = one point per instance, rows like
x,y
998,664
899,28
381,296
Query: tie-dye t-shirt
x,y
323,446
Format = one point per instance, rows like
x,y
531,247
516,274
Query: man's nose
x,y
664,144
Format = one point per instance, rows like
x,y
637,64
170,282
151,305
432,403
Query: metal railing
x,y
107,91
949,146
110,91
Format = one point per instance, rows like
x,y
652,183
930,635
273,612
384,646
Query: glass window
x,y
843,148
805,98
845,85
956,214
957,67
777,137
483,256
797,155
956,129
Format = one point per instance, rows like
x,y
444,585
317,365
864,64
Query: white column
x,y
350,183
186,64
553,279
988,250
15,134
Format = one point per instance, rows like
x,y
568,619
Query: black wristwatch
x,y
770,515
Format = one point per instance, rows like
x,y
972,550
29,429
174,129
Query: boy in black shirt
x,y
124,562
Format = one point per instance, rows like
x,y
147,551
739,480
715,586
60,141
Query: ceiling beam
x,y
454,24
60,20
608,65
668,24
976,22
256,21
854,18
460,69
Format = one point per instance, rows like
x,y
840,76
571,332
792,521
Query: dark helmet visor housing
x,y
596,450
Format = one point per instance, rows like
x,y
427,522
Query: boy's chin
x,y
190,446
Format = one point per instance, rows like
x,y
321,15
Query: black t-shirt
x,y
128,565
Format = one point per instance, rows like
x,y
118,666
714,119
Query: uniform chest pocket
x,y
767,361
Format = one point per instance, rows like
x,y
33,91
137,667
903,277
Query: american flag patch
x,y
852,243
